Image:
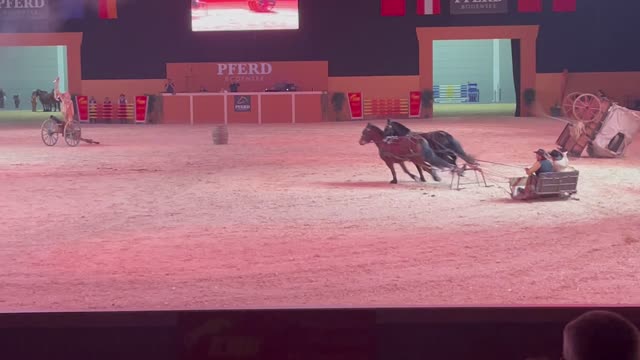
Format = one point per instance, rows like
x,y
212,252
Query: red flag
x,y
530,6
564,5
428,7
393,7
107,9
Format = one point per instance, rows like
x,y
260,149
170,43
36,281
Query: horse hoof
x,y
423,180
393,182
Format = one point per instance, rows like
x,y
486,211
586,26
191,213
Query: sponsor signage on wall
x,y
470,7
142,107
243,72
82,107
24,9
415,103
251,76
242,103
356,105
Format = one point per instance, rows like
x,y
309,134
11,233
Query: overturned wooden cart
x,y
597,124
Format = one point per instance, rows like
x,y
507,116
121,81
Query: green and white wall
x,y
24,69
485,62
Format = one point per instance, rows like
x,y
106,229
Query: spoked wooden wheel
x,y
262,5
587,107
72,133
49,132
567,104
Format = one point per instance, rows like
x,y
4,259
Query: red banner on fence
x,y
356,105
530,6
82,107
564,5
415,103
142,105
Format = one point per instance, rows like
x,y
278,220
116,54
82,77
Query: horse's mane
x,y
375,128
399,128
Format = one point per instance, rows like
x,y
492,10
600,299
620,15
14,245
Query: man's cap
x,y
541,152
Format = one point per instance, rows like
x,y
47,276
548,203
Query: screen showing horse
x,y
244,15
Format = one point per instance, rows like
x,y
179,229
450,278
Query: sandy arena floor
x,y
157,217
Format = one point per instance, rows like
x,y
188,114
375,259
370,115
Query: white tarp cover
x,y
619,120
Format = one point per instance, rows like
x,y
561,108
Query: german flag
x,y
107,9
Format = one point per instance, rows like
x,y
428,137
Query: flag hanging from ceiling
x,y
107,9
393,7
530,6
428,7
70,9
564,5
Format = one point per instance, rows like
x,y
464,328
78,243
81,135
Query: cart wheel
x,y
49,132
567,104
72,133
587,107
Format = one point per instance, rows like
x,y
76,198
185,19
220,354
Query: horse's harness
x,y
412,137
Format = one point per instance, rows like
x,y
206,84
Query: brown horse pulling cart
x,y
72,133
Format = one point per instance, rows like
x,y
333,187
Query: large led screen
x,y
244,15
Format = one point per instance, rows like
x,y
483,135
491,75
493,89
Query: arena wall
x,y
72,41
113,88
376,86
252,76
618,85
594,38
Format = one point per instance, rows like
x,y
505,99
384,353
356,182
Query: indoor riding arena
x,y
231,156
158,217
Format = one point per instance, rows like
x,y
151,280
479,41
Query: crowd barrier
x,y
385,107
242,107
361,107
124,113
111,112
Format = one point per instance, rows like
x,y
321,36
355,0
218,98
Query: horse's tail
x,y
430,156
457,148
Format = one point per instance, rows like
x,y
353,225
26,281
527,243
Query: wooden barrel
x,y
220,135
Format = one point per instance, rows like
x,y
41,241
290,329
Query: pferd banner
x,y
242,103
24,10
471,7
38,15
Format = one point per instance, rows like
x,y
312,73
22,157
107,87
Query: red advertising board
x,y
415,103
82,107
142,105
356,105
